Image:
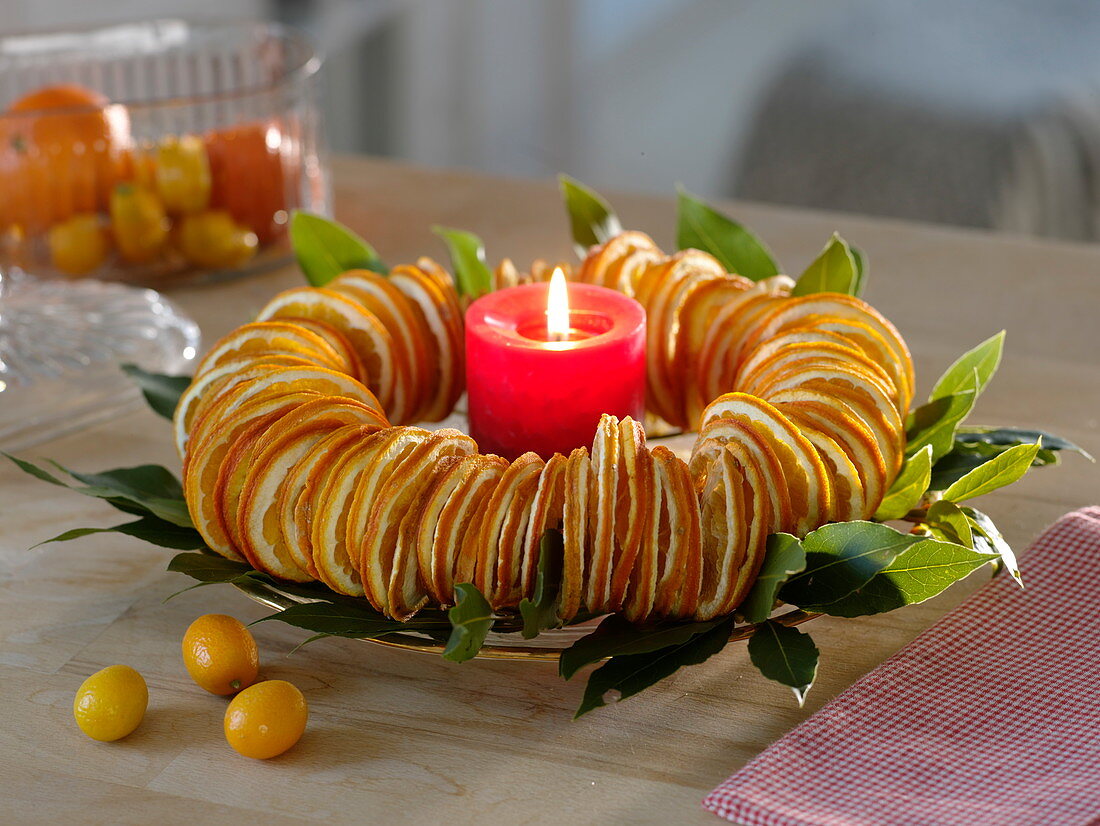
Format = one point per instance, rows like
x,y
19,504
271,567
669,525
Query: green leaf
x,y
357,622
150,487
700,226
1008,436
632,673
999,471
785,655
983,361
326,249
834,271
472,274
841,558
617,637
209,567
590,216
861,273
987,538
784,556
918,573
969,455
947,521
160,391
144,490
541,612
935,423
471,618
149,528
908,487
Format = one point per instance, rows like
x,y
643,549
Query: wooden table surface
x,y
399,737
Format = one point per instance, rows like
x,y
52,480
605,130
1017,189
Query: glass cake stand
x,y
61,347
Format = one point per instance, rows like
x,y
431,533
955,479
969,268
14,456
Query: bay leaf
x,y
783,557
632,673
833,271
161,392
1001,470
472,275
326,248
909,486
541,611
617,637
841,558
981,362
471,618
920,572
702,227
786,655
591,218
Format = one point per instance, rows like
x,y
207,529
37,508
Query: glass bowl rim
x,y
306,66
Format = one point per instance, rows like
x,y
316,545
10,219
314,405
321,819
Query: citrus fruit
x,y
266,719
181,173
111,703
79,245
61,150
138,223
213,240
220,654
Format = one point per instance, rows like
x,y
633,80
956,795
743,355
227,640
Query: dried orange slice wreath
x,y
300,453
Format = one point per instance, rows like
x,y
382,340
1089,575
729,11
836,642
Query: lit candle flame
x,y
557,307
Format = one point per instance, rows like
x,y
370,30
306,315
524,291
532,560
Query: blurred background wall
x,y
970,112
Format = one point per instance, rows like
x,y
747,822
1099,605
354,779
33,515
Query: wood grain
x,y
397,737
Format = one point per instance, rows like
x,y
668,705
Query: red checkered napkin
x,y
990,717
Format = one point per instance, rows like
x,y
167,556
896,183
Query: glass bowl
x,y
156,151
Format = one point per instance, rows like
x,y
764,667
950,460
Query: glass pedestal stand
x,y
61,347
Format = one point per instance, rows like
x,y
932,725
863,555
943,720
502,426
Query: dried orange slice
x,y
679,540
399,317
264,338
372,342
284,444
726,517
354,367
835,417
860,391
270,379
848,499
451,475
234,469
601,556
806,480
635,508
395,446
873,344
408,591
804,309
334,537
454,549
547,505
723,347
205,458
699,304
212,382
295,504
502,531
441,320
575,513
394,498
601,258
800,354
713,438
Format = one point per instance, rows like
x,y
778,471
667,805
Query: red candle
x,y
538,378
